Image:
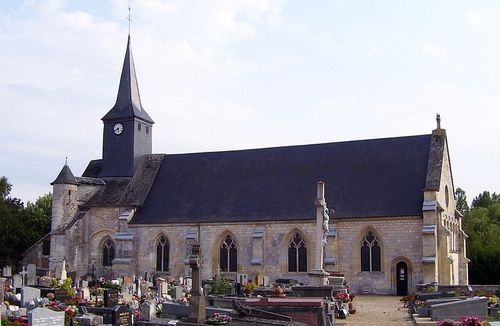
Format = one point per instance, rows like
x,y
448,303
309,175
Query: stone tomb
x,y
477,306
45,317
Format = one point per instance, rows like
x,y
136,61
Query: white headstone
x,y
64,273
29,294
7,271
17,281
45,317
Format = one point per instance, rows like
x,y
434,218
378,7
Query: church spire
x,y
128,101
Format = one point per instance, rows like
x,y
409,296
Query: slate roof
x,y
128,101
366,178
121,191
65,177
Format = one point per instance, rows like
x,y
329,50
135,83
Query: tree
x,y
462,205
485,199
482,225
21,227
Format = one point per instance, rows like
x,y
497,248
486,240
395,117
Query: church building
x,y
253,211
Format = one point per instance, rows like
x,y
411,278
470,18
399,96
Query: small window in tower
x,y
446,196
46,247
147,130
139,126
69,192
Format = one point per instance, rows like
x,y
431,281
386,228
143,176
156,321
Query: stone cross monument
x,y
197,312
318,274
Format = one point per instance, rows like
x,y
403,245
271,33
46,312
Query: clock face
x,y
118,128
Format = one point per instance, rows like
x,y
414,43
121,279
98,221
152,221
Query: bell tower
x,y
127,126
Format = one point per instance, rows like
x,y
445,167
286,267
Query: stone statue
x,y
326,219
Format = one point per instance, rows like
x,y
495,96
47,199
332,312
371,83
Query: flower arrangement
x,y
279,292
470,321
249,287
492,300
344,297
218,319
18,322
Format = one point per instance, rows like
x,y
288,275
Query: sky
x,y
223,75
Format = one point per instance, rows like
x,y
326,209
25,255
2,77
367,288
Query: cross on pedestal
x,y
197,312
23,274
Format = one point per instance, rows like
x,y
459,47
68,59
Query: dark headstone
x,y
110,298
122,316
61,295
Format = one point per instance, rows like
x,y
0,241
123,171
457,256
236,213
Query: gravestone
x,y
85,293
7,271
189,283
148,310
122,316
29,294
162,286
110,298
45,317
31,276
127,291
17,281
178,292
2,288
61,295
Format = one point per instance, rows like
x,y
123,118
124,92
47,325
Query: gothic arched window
x,y
108,252
370,253
228,255
162,254
297,254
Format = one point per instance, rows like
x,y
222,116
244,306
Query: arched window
x,y
297,254
370,253
108,252
228,255
162,254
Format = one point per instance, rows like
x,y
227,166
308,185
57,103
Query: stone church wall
x,y
273,251
401,240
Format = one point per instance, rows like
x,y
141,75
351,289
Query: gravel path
x,y
376,310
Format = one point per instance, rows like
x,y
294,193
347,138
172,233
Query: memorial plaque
x,y
110,298
45,317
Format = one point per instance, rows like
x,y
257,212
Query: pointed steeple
x,y
65,176
128,101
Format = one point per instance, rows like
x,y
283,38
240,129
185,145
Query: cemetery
x,y
454,305
228,298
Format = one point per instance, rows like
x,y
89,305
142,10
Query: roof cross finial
x,y
128,18
438,120
66,161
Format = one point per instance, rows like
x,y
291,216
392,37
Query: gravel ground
x,y
376,310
